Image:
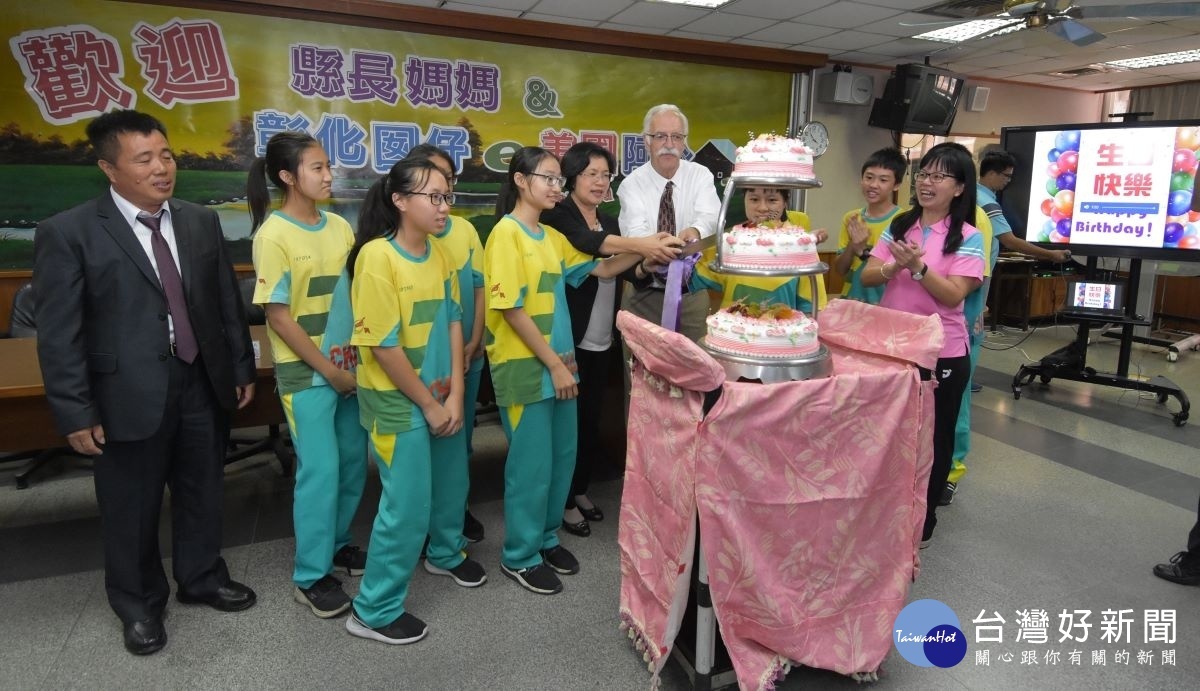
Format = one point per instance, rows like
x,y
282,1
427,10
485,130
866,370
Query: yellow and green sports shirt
x,y
528,268
405,301
300,265
461,243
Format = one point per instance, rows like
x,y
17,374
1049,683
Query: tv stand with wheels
x,y
1070,361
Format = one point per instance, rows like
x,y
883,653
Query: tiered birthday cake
x,y
770,245
762,331
773,156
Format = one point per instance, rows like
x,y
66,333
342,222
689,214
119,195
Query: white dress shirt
x,y
694,194
142,232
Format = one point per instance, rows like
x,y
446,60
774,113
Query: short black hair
x,y
996,161
579,157
888,159
102,132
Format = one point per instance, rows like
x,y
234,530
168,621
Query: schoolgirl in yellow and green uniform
x,y
762,205
407,326
299,260
531,352
461,242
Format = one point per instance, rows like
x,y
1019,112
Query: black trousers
x,y
1194,536
187,454
952,375
593,376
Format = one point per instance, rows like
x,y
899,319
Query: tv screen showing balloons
x,y
1108,190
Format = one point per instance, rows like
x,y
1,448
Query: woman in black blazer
x,y
589,169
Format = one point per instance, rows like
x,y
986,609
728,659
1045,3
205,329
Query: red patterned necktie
x,y
666,210
186,348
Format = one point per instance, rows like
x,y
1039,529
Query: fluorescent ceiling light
x,y
968,30
1179,58
696,3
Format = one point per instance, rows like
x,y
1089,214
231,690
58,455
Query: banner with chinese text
x,y
223,83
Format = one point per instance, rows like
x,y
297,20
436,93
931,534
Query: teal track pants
x,y
542,440
331,468
401,523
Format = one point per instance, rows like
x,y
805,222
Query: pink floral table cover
x,y
810,495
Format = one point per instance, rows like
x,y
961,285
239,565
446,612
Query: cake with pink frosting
x,y
761,331
771,245
773,156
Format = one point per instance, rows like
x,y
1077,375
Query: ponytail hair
x,y
429,151
284,151
379,217
525,161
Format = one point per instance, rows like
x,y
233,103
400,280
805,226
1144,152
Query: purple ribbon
x,y
679,271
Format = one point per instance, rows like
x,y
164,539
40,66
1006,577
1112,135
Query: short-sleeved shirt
x,y
904,294
404,301
852,286
986,199
528,268
461,243
301,265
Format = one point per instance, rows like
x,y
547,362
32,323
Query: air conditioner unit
x,y
846,88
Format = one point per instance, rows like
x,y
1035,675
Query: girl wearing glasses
x,y
531,351
588,168
407,326
299,254
450,526
928,261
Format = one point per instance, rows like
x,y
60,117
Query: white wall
x,y
852,139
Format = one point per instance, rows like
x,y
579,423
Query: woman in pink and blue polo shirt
x,y
928,261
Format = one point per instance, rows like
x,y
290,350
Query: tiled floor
x,y
1073,493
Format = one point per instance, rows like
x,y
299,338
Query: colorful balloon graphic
x,y
1064,201
1063,227
1182,181
1069,161
1184,161
1047,228
1053,171
1173,232
1179,202
1067,140
1053,154
1066,181
1187,138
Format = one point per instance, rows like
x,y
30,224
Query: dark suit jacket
x,y
567,219
103,340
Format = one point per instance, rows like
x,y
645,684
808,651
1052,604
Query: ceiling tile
x,y
699,37
846,15
791,33
655,15
773,9
848,40
519,5
902,4
592,9
721,24
557,19
496,11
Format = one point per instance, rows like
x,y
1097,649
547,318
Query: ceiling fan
x,y
1061,17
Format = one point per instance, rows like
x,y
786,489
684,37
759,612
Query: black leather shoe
x,y
145,637
1183,568
592,514
582,529
231,597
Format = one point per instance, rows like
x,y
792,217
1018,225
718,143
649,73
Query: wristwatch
x,y
920,273
865,254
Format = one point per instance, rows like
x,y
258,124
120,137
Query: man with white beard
x,y
668,194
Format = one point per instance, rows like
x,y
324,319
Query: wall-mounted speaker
x,y
977,98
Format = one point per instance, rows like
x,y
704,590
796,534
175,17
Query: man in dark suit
x,y
145,354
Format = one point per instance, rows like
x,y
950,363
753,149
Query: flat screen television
x,y
1108,189
918,99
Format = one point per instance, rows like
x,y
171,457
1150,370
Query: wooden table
x,y
26,423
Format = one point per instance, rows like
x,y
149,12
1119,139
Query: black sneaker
x,y
472,528
325,597
948,494
350,559
536,579
1184,568
468,574
562,561
407,629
